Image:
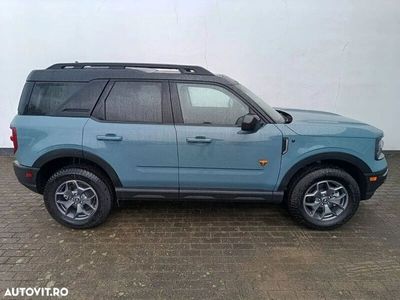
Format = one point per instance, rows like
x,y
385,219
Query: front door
x,y
214,153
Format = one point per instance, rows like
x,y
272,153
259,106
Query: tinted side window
x,y
64,98
135,102
209,104
25,95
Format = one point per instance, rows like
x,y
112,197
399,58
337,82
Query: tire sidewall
x,y
101,189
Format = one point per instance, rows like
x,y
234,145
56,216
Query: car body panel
x,y
231,159
145,157
39,135
319,123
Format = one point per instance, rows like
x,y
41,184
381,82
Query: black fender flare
x,y
77,153
338,156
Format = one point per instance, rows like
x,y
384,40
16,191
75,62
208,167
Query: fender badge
x,y
263,162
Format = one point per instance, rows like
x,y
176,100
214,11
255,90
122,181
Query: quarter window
x,y
61,98
209,105
47,98
135,102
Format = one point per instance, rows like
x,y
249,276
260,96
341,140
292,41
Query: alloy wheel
x,y
76,199
325,200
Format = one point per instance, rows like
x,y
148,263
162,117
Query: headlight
x,y
378,148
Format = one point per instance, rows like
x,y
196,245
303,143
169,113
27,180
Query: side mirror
x,y
250,123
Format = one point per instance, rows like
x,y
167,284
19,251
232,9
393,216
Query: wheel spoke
x,y
71,185
311,194
326,211
81,190
88,201
69,206
90,198
336,189
89,204
81,210
323,186
313,207
66,203
312,204
328,184
65,188
338,200
319,184
76,199
75,213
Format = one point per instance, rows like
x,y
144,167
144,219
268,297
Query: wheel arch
x,y
348,162
59,158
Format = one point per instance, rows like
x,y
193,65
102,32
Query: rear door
x,y
132,130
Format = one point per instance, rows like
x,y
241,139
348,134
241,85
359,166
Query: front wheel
x,y
78,197
324,198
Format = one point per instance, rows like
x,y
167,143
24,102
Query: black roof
x,y
92,71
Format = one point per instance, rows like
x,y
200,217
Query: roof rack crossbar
x,y
184,69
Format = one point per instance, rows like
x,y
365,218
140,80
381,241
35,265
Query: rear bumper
x,y
372,186
26,175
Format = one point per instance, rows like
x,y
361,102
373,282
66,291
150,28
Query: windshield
x,y
276,116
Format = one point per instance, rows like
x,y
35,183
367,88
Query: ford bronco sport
x,y
88,135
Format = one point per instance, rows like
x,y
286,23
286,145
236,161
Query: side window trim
x,y
106,90
176,104
99,112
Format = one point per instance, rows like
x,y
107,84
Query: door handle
x,y
109,137
198,139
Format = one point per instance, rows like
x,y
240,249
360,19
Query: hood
x,y
312,122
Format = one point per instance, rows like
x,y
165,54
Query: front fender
x,y
290,169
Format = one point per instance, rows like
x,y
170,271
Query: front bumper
x,y
26,175
372,186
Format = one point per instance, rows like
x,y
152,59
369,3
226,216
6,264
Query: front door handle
x,y
109,137
198,139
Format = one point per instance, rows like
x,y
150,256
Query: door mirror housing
x,y
250,123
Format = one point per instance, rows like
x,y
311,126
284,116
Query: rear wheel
x,y
77,197
324,198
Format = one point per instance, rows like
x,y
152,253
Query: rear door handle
x,y
109,137
198,139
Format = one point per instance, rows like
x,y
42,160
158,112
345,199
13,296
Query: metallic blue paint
x,y
146,155
38,135
320,123
314,132
230,161
158,155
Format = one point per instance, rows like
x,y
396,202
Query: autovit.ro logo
x,y
36,292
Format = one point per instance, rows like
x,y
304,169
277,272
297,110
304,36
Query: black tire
x,y
89,176
306,180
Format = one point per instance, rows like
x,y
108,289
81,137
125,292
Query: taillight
x,y
14,138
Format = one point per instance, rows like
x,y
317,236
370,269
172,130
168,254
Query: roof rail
x,y
184,69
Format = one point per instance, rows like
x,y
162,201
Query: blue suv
x,y
90,135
